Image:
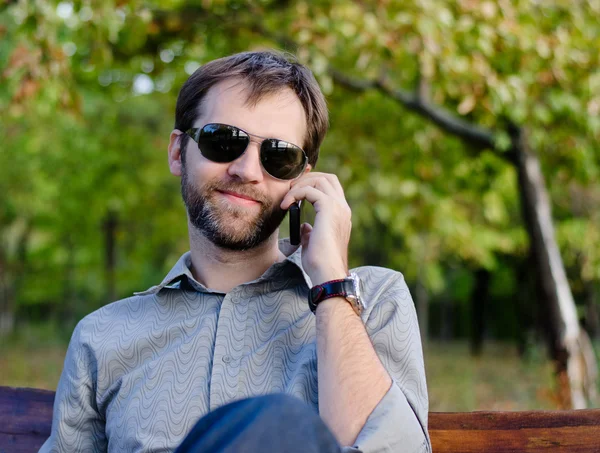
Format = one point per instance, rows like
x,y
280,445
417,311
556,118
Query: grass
x,y
498,380
33,357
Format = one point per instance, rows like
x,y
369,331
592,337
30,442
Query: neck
x,y
221,269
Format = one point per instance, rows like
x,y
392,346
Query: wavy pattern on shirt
x,y
141,371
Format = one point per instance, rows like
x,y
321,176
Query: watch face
x,y
357,286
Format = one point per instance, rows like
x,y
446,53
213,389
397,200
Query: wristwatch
x,y
349,288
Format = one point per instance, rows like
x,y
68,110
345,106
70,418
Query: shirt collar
x,y
180,276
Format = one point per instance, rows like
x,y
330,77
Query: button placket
x,y
229,342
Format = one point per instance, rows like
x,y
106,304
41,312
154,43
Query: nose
x,y
247,167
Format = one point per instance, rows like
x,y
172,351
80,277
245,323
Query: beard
x,y
226,225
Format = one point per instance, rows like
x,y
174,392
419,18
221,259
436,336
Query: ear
x,y
306,170
175,164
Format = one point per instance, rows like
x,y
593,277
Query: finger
x,y
336,184
309,193
332,180
321,184
305,231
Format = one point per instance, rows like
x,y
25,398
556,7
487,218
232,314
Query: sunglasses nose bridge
x,y
256,140
247,166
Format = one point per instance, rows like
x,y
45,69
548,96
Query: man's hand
x,y
324,246
351,378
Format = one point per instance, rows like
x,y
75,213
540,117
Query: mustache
x,y
242,189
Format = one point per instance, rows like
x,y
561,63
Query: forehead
x,y
277,115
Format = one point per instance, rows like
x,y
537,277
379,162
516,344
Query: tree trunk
x,y
11,276
422,306
524,311
592,315
479,299
70,309
110,255
447,318
7,303
569,344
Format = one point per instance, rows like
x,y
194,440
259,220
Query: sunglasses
x,y
223,143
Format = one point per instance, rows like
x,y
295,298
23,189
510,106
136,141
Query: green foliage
x,y
87,98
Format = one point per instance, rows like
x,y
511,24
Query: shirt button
x,y
227,359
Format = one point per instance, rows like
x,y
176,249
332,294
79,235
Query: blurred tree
x,y
513,75
491,83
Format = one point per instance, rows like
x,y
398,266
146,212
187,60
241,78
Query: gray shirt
x,y
140,372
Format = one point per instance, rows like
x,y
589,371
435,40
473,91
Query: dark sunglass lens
x,y
282,159
222,143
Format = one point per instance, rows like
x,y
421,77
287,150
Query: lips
x,y
238,197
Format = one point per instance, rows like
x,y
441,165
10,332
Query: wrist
x,y
336,307
347,289
320,277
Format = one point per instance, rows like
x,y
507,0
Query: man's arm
x,y
352,379
76,424
359,398
397,421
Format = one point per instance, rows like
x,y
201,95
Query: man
x,y
232,319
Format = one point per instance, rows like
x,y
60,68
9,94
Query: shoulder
x,y
384,289
109,320
378,275
380,282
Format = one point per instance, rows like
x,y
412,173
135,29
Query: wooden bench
x,y
26,418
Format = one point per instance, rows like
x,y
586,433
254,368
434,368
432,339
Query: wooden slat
x,y
527,431
24,410
26,419
513,420
21,443
538,440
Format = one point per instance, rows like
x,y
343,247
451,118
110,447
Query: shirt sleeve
x,y
77,426
399,422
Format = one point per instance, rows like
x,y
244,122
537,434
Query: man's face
x,y
236,205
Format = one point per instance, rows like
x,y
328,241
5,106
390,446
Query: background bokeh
x,y
89,212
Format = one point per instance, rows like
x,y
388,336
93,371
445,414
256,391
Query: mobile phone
x,y
294,213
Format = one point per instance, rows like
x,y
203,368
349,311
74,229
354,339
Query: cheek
x,y
280,192
203,170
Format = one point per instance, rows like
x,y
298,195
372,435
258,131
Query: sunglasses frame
x,y
194,134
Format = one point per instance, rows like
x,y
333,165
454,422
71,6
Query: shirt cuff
x,y
393,426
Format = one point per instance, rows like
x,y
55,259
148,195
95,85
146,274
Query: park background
x,y
452,124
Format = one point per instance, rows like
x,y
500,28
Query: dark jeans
x,y
272,423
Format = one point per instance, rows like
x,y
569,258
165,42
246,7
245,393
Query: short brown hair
x,y
265,72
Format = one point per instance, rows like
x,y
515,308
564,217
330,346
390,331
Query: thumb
x,y
305,230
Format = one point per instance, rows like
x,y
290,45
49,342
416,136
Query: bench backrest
x,y
26,418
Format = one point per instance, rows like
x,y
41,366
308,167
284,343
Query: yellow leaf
x,y
467,105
